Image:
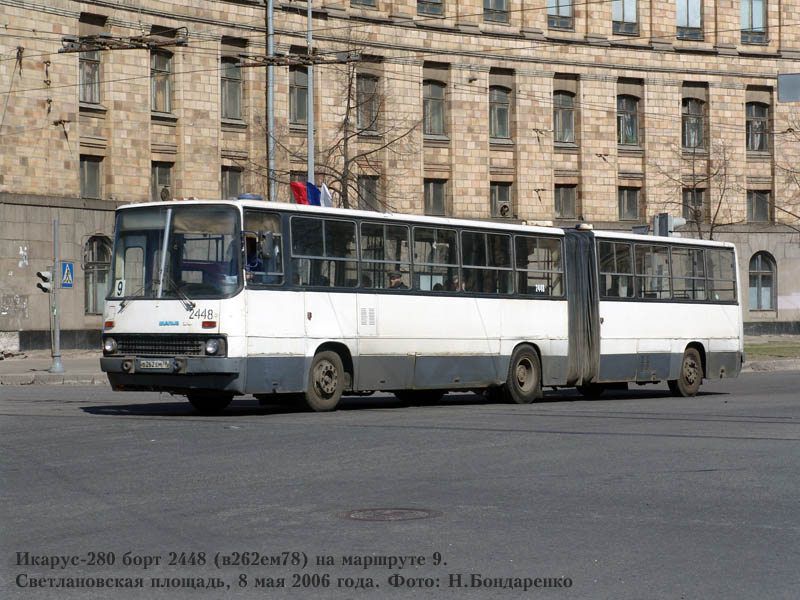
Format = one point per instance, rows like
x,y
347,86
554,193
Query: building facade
x,y
558,112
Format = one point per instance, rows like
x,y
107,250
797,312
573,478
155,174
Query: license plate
x,y
155,364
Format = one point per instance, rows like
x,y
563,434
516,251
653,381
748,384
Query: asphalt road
x,y
638,495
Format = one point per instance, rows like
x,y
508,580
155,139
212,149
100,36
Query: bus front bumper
x,y
178,374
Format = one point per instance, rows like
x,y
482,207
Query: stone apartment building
x,y
547,111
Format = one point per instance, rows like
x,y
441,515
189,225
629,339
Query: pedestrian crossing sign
x,y
67,274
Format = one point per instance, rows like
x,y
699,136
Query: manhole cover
x,y
391,514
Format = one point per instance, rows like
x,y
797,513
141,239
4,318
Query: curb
x,y
54,379
761,366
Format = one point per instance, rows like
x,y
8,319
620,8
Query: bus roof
x,y
452,221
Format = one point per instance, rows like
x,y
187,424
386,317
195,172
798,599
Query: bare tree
x,y
700,188
788,143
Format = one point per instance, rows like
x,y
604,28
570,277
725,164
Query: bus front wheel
x,y
209,403
690,376
325,382
524,381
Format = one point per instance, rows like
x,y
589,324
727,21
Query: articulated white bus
x,y
213,299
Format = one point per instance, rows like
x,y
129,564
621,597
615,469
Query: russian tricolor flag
x,y
306,193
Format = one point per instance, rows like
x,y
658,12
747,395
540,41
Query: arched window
x,y
96,266
762,282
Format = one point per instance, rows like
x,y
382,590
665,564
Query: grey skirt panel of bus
x,y
583,358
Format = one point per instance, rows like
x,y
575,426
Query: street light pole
x,y
310,177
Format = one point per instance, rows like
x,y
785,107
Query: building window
x,y
363,2
430,7
559,14
689,19
762,282
628,120
758,206
565,196
231,89
231,183
693,205
757,126
435,197
90,77
160,181
433,108
564,117
298,95
754,21
500,200
160,82
90,176
499,112
495,10
693,123
367,102
624,18
368,193
628,203
96,266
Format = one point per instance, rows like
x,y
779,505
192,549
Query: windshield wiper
x,y
135,296
188,304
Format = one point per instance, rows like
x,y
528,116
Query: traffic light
x,y
46,283
664,224
673,223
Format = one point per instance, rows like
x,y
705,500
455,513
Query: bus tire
x,y
325,382
209,403
690,376
524,381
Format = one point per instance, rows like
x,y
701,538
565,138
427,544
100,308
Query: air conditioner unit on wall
x,y
502,210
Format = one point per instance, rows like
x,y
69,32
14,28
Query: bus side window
x,y
263,252
616,270
539,267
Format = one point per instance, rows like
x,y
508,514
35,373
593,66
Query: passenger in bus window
x,y
255,264
456,285
396,281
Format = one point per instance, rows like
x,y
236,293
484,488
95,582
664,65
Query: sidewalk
x,y
82,367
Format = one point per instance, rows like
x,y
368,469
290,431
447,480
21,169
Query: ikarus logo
x,y
168,323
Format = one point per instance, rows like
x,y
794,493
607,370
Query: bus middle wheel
x,y
524,381
325,381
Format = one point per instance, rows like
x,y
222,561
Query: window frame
x,y
94,271
689,204
749,33
560,14
160,74
689,29
367,109
96,176
496,11
226,173
500,112
430,104
624,202
760,273
755,197
430,7
89,68
558,200
231,84
621,22
430,189
564,112
626,115
298,97
757,125
157,168
693,116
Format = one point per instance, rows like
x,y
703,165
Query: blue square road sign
x,y
67,274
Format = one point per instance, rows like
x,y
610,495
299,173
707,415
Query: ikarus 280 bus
x,y
213,299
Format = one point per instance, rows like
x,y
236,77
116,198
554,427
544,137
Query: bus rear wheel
x,y
209,403
524,381
325,382
690,376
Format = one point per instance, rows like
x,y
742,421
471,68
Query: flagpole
x,y
310,175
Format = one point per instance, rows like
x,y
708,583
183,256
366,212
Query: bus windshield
x,y
190,251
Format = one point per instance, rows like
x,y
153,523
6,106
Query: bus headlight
x,y
109,345
212,346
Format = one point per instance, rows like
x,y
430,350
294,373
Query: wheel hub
x,y
326,378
